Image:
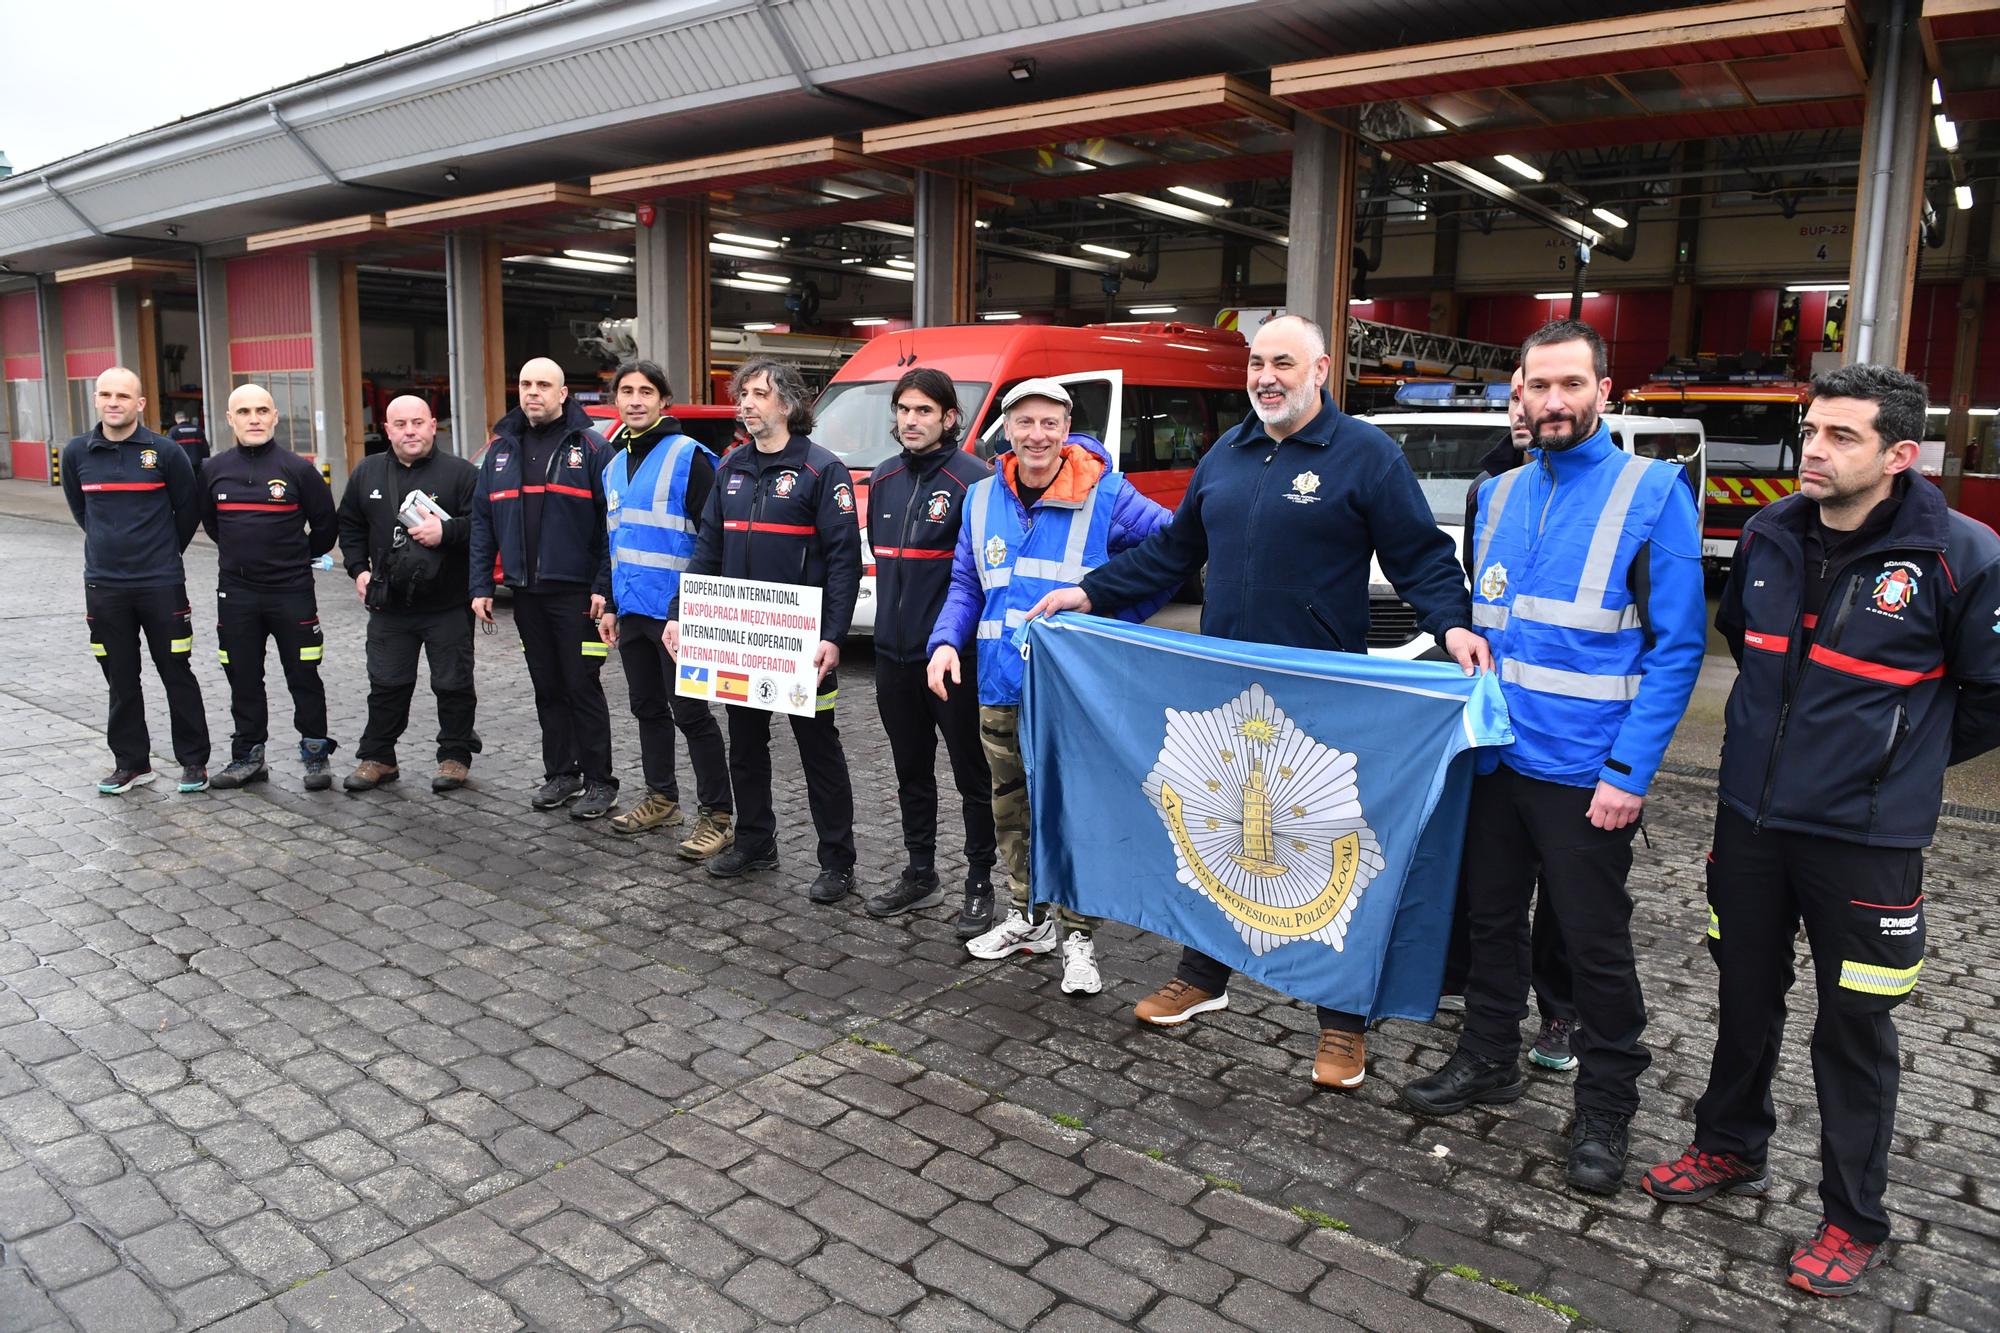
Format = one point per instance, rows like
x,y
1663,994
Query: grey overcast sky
x,y
86,72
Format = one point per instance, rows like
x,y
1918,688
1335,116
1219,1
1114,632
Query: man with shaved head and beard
x,y
412,578
270,514
133,494
538,528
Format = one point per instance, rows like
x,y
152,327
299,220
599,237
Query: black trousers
x,y
1515,824
1547,962
245,619
828,792
914,718
1864,919
565,657
117,616
649,680
394,640
1199,970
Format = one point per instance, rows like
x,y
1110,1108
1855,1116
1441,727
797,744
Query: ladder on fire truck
x,y
1415,352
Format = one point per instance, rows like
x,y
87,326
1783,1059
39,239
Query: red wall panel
x,y
87,317
30,460
1632,324
20,336
270,296
270,354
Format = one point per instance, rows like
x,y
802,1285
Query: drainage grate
x,y
1950,809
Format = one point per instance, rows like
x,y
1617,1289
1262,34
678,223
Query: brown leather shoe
x,y
655,811
370,774
1342,1061
450,775
712,835
1177,1002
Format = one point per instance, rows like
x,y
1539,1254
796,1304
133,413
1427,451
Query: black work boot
x,y
975,918
1598,1142
315,753
830,886
241,772
1466,1080
915,889
558,791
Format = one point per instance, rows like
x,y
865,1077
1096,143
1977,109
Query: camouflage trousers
x,y
999,736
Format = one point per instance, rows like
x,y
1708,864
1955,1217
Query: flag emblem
x,y
732,685
1265,820
694,680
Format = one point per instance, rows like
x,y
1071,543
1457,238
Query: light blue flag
x,y
1296,814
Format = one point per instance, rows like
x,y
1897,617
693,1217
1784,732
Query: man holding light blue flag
x,y
1293,813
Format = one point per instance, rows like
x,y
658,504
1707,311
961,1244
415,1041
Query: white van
x,y
1445,448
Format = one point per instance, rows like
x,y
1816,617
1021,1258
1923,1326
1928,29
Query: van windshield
x,y
1446,457
856,419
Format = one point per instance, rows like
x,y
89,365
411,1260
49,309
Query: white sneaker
x,y
1016,934
1080,965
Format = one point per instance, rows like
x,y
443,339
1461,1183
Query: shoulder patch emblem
x,y
843,498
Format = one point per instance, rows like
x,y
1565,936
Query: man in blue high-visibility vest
x,y
1587,583
655,488
1053,512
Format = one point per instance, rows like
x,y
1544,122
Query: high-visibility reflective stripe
x,y
653,559
1596,580
1873,980
1714,925
824,703
593,648
1770,643
97,650
1573,684
1488,616
222,655
262,508
312,652
649,518
787,529
1490,519
909,553
991,629
1575,615
1856,666
1055,571
182,645
125,486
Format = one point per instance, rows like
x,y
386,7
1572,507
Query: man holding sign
x,y
782,513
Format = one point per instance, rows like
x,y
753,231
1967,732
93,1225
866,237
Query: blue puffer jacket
x,y
1587,584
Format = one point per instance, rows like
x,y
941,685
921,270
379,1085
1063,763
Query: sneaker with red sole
x,y
1696,1175
1833,1264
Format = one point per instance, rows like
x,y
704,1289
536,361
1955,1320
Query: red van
x,y
1158,395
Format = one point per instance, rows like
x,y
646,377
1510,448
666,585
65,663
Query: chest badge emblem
x,y
1493,583
1895,590
275,488
610,498
149,459
785,484
1303,487
996,552
939,506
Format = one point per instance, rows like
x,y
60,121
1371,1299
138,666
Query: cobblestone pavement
x,y
401,1061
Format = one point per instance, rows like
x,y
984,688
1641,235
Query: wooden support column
x,y
944,289
1319,267
476,335
673,277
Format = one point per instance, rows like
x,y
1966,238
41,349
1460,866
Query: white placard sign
x,y
749,643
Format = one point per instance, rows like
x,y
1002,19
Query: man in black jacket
x,y
538,527
916,502
270,514
782,511
1864,616
133,494
411,576
189,437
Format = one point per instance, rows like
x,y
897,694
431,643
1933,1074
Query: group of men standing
x,y
1861,612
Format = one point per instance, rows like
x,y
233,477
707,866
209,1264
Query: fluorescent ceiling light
x,y
1963,196
1816,287
738,238
899,274
1525,170
886,228
745,285
759,327
981,224
868,321
1199,196
1564,296
998,315
1937,93
599,255
1947,133
1361,300
756,276
560,261
736,251
1109,251
1154,309
1607,215
900,262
